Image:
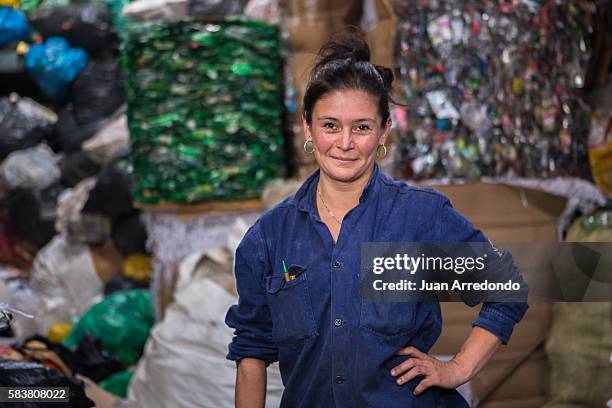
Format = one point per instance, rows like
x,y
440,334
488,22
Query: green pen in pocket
x,y
287,276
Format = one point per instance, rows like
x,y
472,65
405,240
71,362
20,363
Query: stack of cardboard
x,y
517,375
310,24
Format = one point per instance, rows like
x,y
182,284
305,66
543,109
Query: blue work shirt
x,y
335,350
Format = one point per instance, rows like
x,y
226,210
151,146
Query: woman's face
x,y
346,131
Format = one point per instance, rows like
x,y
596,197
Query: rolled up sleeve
x,y
498,318
251,317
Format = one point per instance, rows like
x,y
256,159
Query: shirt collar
x,y
305,196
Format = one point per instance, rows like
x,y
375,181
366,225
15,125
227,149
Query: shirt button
x,y
339,379
337,264
338,322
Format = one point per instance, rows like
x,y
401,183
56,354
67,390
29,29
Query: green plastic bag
x,y
117,383
122,321
29,5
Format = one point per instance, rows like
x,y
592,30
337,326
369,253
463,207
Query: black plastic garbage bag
x,y
10,61
112,194
76,167
28,374
87,359
88,26
33,212
130,235
92,361
20,126
68,134
216,8
121,283
98,91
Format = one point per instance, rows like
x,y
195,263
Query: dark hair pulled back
x,y
343,63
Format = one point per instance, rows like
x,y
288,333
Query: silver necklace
x,y
327,208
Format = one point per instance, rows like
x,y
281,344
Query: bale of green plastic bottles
x,y
205,106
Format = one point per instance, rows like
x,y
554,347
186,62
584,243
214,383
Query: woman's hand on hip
x,y
445,374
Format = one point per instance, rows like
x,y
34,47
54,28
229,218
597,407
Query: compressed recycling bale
x,y
205,105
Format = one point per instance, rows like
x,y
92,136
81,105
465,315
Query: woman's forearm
x,y
251,383
476,350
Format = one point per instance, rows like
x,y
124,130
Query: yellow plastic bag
x,y
600,151
59,331
10,3
138,267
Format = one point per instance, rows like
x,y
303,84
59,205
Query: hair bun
x,y
343,63
343,46
386,74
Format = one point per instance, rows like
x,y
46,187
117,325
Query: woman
x,y
297,268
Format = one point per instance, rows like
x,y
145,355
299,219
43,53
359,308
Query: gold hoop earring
x,y
312,144
378,150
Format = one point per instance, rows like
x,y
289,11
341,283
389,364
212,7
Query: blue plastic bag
x,y
13,25
54,65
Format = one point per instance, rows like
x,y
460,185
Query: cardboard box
x,y
311,22
340,11
381,38
517,375
506,213
301,64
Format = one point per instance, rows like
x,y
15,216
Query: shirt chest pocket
x,y
388,319
290,307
